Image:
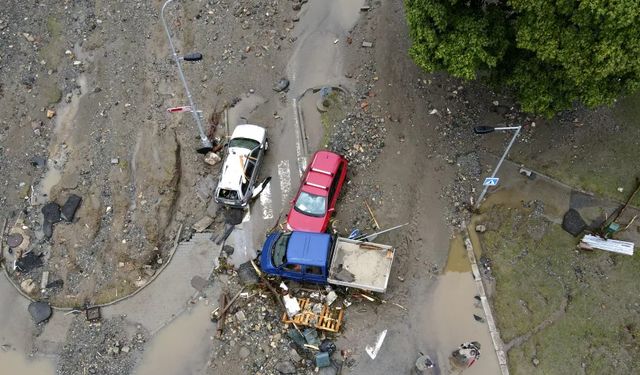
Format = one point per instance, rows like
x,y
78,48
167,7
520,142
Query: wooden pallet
x,y
328,320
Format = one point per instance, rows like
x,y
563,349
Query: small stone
x,y
28,286
240,316
620,190
50,113
481,228
244,352
296,6
251,91
367,44
126,349
535,361
286,367
28,37
294,356
212,158
115,160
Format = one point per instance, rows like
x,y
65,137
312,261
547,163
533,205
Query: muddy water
x,y
12,362
183,347
321,33
457,260
454,323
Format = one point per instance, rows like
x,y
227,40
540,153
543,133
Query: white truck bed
x,y
362,265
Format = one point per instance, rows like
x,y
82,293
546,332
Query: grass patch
x,y
591,298
608,158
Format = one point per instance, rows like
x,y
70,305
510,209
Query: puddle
x,y
12,362
240,113
458,261
182,347
453,312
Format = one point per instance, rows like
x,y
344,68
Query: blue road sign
x,y
491,181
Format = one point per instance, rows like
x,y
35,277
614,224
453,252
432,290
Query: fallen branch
x,y
224,310
372,216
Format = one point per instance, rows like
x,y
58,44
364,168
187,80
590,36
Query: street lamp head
x,y
193,56
483,129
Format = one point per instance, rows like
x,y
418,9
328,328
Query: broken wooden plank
x,y
615,246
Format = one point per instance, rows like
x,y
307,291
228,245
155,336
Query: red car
x,y
316,199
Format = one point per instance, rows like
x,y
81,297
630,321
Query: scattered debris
x,y
367,44
292,305
28,286
527,173
317,315
40,311
50,113
478,318
590,242
44,280
373,351
467,354
93,314
573,223
423,363
481,228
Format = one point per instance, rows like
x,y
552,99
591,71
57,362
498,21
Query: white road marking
x,y
247,215
265,202
284,173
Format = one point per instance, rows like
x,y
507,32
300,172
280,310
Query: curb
x,y
493,330
176,242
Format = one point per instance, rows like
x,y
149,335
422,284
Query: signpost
x,y
184,108
491,181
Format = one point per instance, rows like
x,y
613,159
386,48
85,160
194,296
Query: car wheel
x,y
266,146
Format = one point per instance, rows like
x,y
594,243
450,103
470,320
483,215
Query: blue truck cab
x,y
299,256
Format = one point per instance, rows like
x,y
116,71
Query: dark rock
x,y
51,212
282,85
39,161
47,229
228,250
14,240
40,311
286,367
29,262
328,346
296,6
573,223
247,274
70,207
56,284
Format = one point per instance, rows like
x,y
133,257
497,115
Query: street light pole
x,y
206,143
484,130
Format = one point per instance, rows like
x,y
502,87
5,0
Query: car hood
x,y
306,223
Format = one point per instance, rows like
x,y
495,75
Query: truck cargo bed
x,y
363,265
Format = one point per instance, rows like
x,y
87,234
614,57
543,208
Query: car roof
x,y
322,169
308,248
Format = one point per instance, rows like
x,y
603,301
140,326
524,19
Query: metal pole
x,y
206,143
495,171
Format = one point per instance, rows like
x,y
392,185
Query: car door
x,y
313,274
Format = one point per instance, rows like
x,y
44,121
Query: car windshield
x,y
280,249
311,204
249,144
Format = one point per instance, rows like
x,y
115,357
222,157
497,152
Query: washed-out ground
x,y
407,136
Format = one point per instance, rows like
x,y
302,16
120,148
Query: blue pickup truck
x,y
325,259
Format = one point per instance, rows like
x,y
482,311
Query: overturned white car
x,y
242,162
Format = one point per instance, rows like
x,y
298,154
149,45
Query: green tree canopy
x,y
552,53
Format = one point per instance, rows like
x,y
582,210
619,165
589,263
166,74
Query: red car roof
x,y
322,169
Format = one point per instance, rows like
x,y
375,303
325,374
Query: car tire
x,y
266,146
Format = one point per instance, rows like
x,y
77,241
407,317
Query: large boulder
x,y
40,311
